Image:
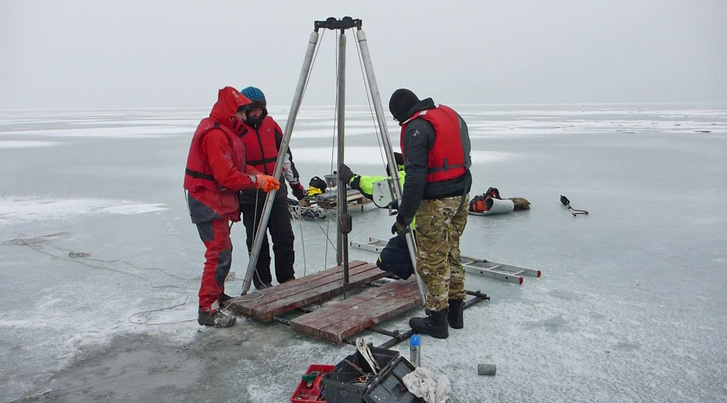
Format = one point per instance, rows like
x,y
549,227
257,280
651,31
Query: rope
x,y
254,233
259,295
369,98
36,243
302,244
297,212
159,310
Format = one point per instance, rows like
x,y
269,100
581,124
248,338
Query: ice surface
x,y
24,209
100,264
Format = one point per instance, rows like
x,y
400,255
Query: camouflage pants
x,y
438,230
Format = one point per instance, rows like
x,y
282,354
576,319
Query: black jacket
x,y
395,258
418,139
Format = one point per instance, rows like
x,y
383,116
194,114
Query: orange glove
x,y
266,182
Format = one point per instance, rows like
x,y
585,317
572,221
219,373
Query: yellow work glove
x,y
312,191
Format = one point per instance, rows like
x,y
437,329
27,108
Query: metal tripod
x,y
343,218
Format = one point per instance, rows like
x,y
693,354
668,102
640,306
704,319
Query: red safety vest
x,y
198,174
446,157
261,145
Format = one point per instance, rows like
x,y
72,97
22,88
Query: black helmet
x,y
318,183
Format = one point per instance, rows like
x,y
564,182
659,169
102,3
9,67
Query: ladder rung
x,y
471,265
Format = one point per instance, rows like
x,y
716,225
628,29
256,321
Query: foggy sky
x,y
103,54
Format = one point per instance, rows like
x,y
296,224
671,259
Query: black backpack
x,y
318,183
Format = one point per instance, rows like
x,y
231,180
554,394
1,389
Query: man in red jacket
x,y
216,172
262,137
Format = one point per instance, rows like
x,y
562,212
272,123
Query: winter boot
x,y
224,298
454,316
435,324
263,286
216,319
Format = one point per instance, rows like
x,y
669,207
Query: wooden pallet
x,y
345,318
318,287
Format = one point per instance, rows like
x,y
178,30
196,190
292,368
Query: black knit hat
x,y
401,102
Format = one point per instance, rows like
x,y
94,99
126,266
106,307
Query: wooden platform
x,y
338,319
304,291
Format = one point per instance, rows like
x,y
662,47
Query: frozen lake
x,y
100,263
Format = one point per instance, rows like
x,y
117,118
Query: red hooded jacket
x,y
216,168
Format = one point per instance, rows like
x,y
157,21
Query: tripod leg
x,y
342,196
268,206
386,141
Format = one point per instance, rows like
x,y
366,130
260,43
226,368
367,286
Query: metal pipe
x,y
478,297
284,321
386,332
340,129
267,207
396,340
386,141
342,204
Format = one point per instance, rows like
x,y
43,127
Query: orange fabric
x,y
479,206
266,182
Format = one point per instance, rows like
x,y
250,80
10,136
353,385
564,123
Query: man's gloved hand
x,y
345,174
266,183
297,188
400,226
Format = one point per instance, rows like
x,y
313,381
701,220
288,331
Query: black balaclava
x,y
401,103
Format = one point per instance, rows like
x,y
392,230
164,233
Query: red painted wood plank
x,y
303,291
345,318
321,315
309,296
342,321
245,304
356,322
333,274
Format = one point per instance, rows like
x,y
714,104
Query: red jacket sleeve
x,y
250,170
216,148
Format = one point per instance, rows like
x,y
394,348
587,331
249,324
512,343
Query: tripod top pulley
x,y
342,24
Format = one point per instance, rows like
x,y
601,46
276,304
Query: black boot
x,y
215,319
435,324
224,299
455,317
